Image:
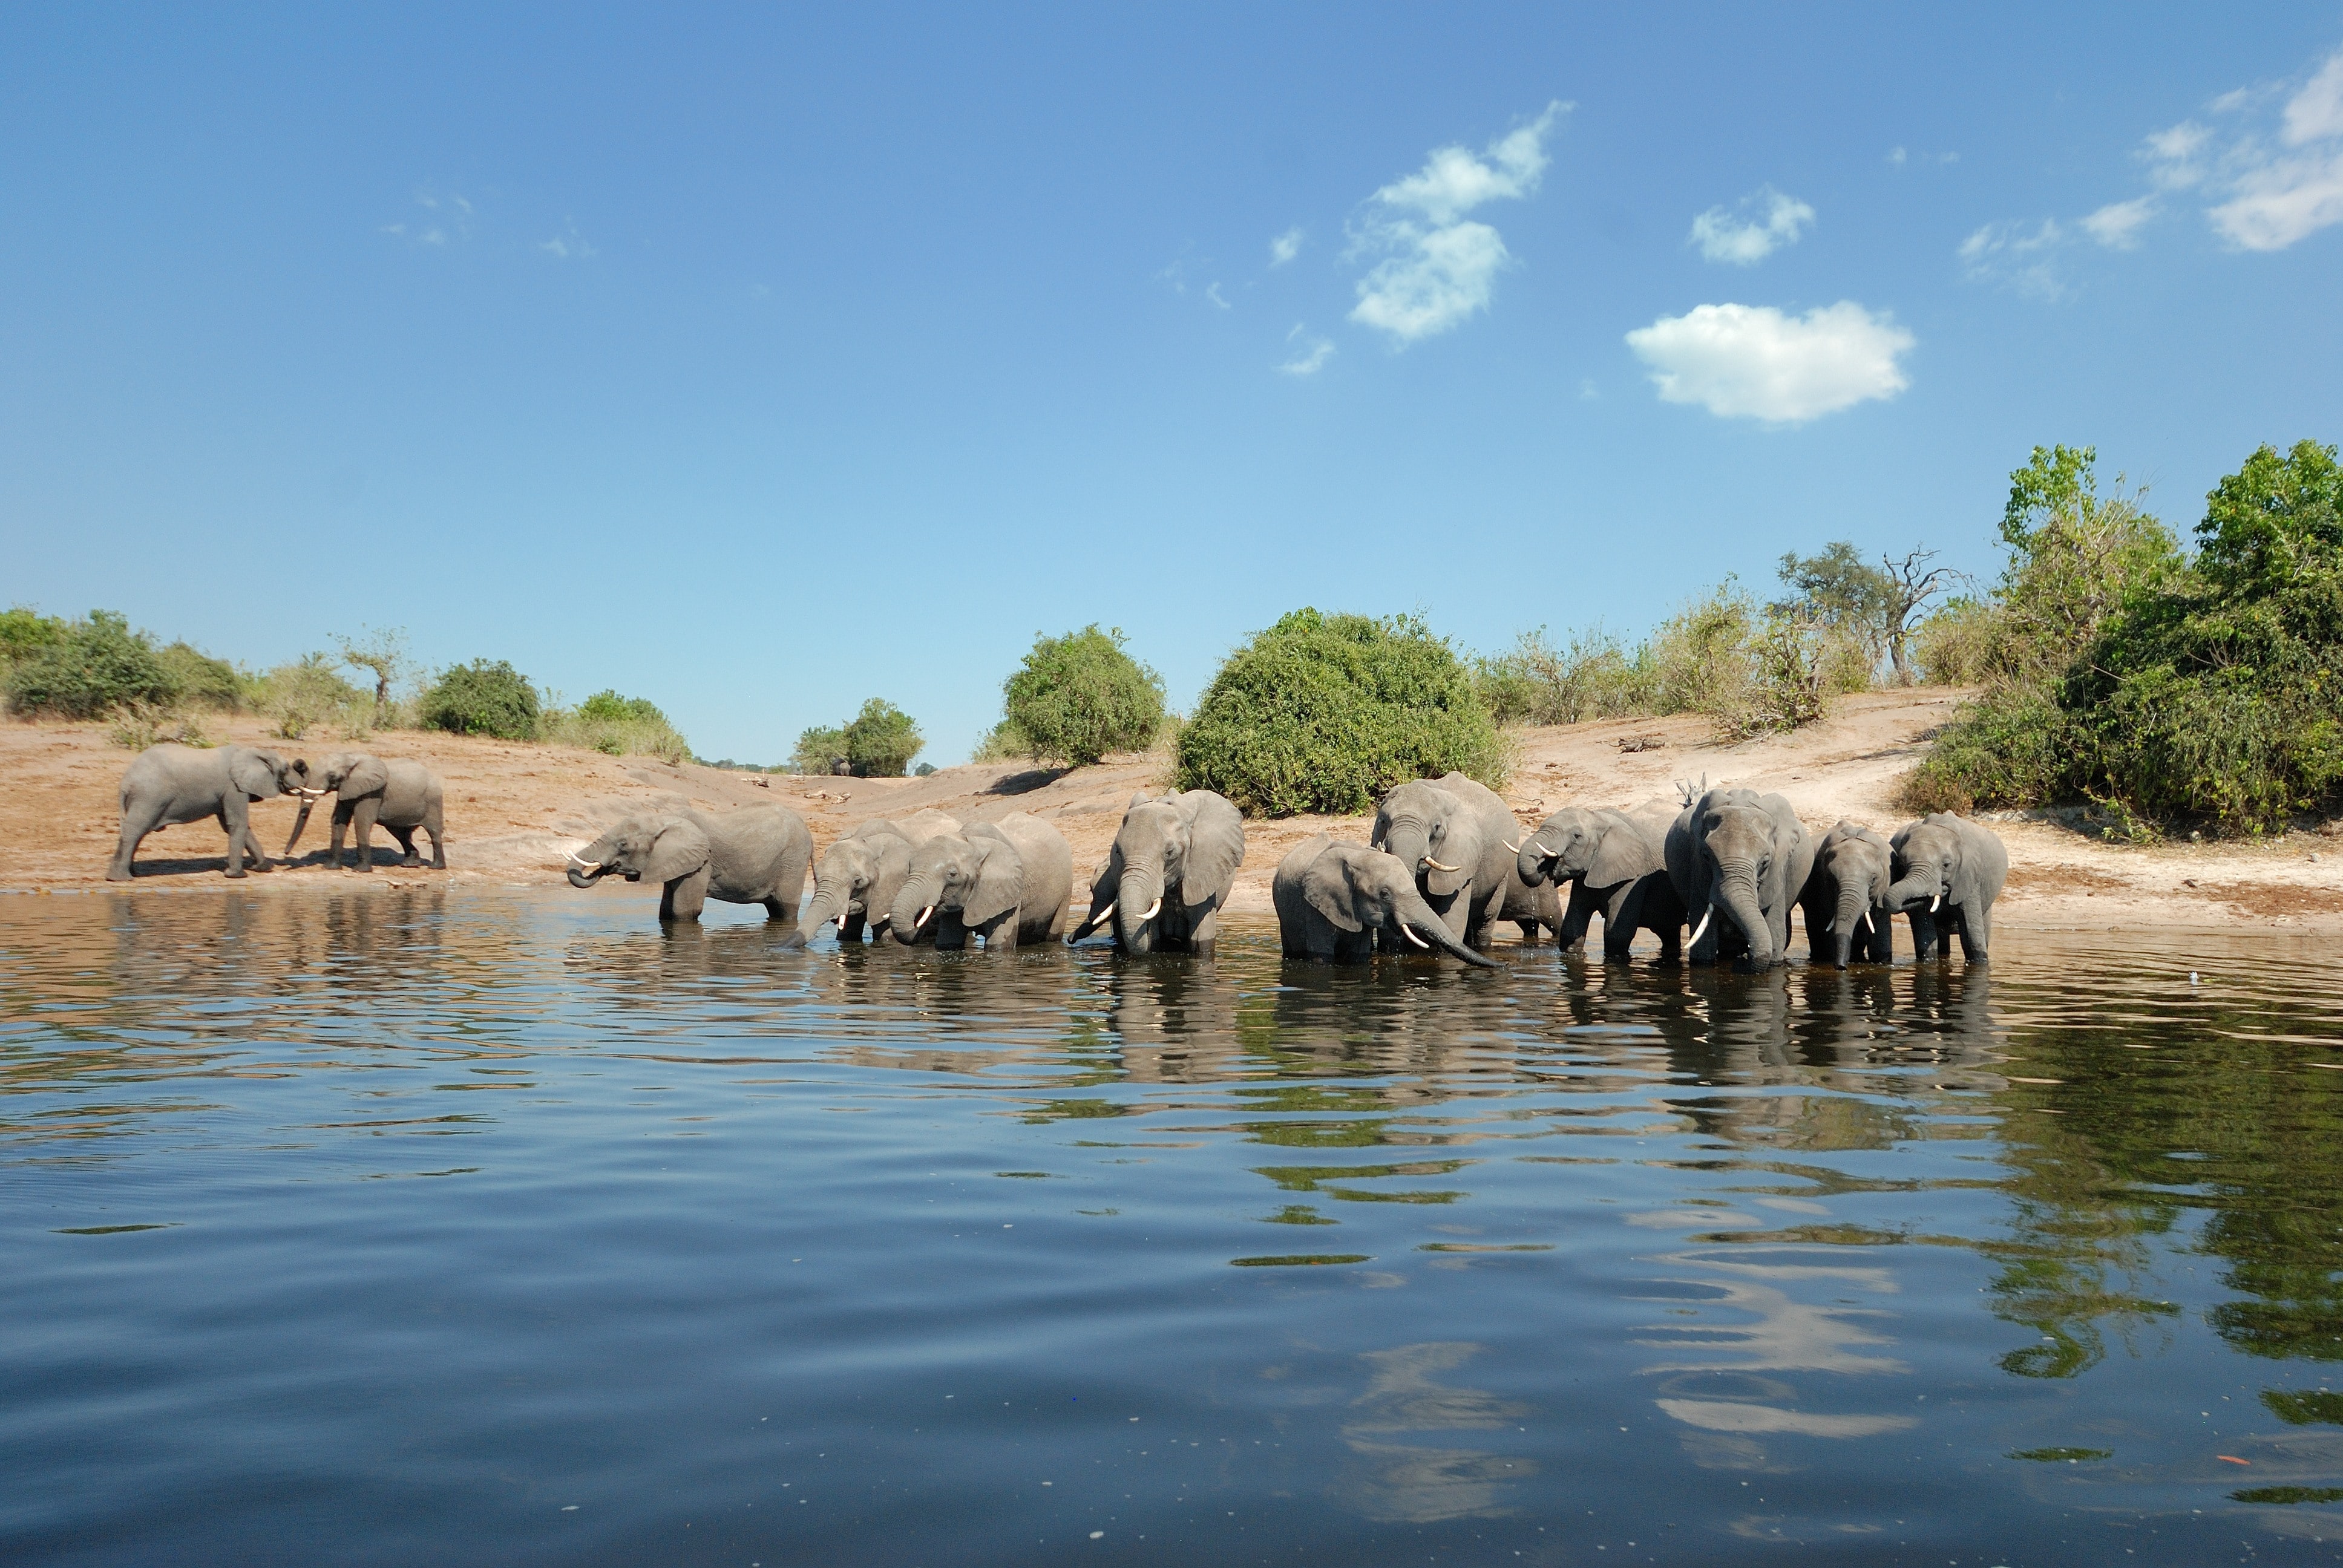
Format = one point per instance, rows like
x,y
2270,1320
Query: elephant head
x,y
265,775
658,848
344,775
864,869
1930,865
1368,890
1184,848
1432,834
1856,859
1737,845
1575,845
972,877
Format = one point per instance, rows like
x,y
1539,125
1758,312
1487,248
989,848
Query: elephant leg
x,y
1619,923
1880,940
776,910
405,837
362,831
683,898
1571,936
137,822
1000,934
1924,935
1824,944
435,822
1977,929
235,816
339,826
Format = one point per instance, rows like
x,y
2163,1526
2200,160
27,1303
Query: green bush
x,y
878,743
1702,660
1078,696
1794,661
482,698
24,631
296,698
89,666
615,726
205,681
1004,742
1960,644
1591,676
1326,713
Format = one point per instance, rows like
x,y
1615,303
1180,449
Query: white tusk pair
x,y
1410,936
1704,923
1437,866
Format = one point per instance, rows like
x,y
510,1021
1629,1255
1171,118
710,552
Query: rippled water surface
x,y
399,1227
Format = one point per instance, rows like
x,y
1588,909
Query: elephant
x,y
401,795
1333,901
1174,858
168,784
1845,898
855,882
1008,881
1745,856
756,855
1453,833
1611,863
1954,863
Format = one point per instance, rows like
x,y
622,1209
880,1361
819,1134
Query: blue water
x,y
471,1226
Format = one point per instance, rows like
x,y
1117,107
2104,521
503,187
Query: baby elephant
x,y
399,794
756,855
1612,864
1958,869
1333,901
170,784
1845,898
858,878
1008,881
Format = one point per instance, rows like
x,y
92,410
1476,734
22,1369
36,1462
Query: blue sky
x,y
760,361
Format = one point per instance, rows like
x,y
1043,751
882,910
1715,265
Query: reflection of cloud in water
x,y
1786,1335
1397,1482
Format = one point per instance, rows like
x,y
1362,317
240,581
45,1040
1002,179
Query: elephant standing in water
x,y
1175,860
1612,864
1738,860
1845,898
1453,834
1334,900
1959,868
858,877
1008,881
756,855
401,795
168,784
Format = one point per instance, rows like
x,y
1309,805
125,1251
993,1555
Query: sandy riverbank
x,y
514,809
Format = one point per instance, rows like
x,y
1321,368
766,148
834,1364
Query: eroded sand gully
x,y
513,810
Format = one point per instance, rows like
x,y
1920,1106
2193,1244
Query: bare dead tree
x,y
1911,584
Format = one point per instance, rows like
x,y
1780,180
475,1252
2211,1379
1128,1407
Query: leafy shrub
x,y
878,743
1591,676
615,726
1793,661
1325,713
1960,644
89,666
1078,696
139,725
1701,659
299,697
205,681
23,630
1004,742
482,698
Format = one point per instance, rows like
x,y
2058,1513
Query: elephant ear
x,y
1460,847
1328,891
370,776
250,771
680,850
1216,848
1000,881
1619,858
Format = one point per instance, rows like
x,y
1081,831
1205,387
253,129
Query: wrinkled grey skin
x,y
1174,858
858,878
1738,860
1452,833
1612,866
168,784
756,855
1948,871
1008,881
1845,898
401,795
1336,901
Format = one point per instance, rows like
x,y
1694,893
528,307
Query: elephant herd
x,y
1445,864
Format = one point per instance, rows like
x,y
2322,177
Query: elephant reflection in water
x,y
1401,1482
1174,1023
885,1005
1411,1019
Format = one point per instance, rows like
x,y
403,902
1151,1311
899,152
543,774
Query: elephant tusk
x,y
1704,923
1866,921
1410,936
1438,866
923,916
1151,909
584,865
1511,849
1934,901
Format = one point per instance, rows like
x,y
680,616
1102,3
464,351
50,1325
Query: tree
x,y
93,664
483,699
882,741
2273,519
1879,607
1078,696
383,653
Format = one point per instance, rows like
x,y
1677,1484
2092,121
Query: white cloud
x,y
448,218
567,245
1437,269
2117,224
2316,112
2262,197
2018,255
1285,247
1752,361
1744,242
1310,358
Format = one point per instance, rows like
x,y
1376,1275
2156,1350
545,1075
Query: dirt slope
x,y
514,809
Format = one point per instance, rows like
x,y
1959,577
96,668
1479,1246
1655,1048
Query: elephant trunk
x,y
1422,928
1920,885
1853,908
579,877
1138,901
1736,895
914,906
300,822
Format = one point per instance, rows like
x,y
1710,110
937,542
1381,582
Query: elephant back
x,y
753,847
1047,858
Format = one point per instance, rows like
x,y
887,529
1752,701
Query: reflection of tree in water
x,y
1398,1482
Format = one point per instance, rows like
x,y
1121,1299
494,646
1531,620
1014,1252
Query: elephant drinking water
x,y
1612,864
1008,881
1455,836
1738,859
1335,900
1845,900
858,877
1956,869
1174,862
756,855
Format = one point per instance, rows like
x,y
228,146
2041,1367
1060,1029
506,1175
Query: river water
x,y
502,1228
